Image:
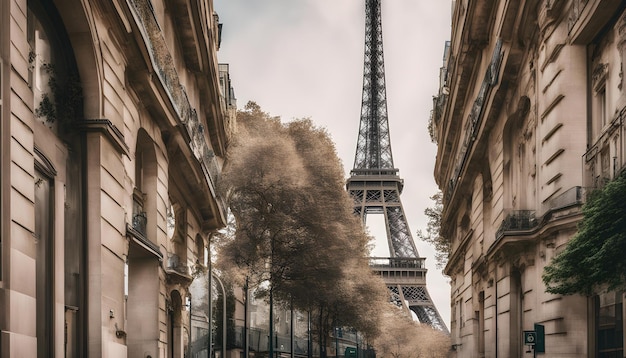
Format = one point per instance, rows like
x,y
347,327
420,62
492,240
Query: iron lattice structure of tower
x,y
375,185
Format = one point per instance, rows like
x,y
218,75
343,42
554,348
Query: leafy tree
x,y
594,258
294,226
433,231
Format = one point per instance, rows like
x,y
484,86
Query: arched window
x,y
200,259
51,64
609,328
144,219
53,75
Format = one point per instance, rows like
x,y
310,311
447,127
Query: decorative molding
x,y
474,120
551,106
545,88
554,156
553,56
43,164
549,13
110,131
143,242
576,11
551,132
554,178
552,195
598,76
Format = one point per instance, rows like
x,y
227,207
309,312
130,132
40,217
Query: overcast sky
x,y
304,58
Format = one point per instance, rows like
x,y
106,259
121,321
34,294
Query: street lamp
x,y
210,309
223,315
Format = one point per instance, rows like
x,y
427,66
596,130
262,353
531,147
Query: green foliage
x,y
433,231
63,104
594,259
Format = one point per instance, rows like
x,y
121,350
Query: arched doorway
x,y
57,105
176,345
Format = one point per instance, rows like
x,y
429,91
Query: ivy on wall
x,y
63,102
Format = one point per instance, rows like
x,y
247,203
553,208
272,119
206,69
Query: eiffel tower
x,y
375,186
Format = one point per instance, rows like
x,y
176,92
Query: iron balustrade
x,y
572,196
475,117
397,262
166,72
518,220
140,222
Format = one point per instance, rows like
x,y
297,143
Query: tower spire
x,y
375,186
373,149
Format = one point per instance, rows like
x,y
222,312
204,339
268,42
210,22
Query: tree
x,y
294,226
594,258
402,337
433,231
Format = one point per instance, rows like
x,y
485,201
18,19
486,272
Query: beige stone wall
x,y
537,129
21,244
125,103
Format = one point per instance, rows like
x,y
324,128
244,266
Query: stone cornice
x,y
110,131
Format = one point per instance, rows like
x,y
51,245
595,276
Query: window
x,y
609,325
461,318
516,304
200,259
44,229
602,106
480,317
41,67
599,114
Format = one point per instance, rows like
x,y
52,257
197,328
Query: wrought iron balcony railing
x,y
140,221
518,220
475,117
165,69
397,262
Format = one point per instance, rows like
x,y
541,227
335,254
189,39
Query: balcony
x,y
516,221
177,270
398,270
572,196
163,64
137,231
397,262
139,223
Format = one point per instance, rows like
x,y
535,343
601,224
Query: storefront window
x,y
610,327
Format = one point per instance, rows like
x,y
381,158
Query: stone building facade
x,y
113,132
529,118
